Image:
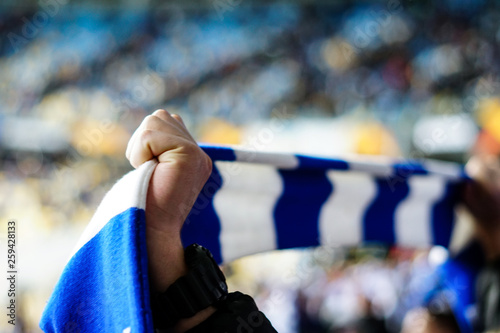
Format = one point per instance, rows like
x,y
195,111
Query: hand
x,y
482,197
177,180
181,173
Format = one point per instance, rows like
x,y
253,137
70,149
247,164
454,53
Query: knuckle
x,y
206,163
160,112
208,160
198,157
155,121
149,120
146,135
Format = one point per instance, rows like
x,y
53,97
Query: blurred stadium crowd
x,y
342,290
76,80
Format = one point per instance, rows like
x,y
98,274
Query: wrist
x,y
166,259
172,191
160,278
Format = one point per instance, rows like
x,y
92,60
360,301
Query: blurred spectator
x,y
422,320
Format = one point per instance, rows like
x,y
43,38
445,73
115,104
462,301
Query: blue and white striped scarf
x,y
253,202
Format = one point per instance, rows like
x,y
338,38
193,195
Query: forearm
x,y
164,219
166,260
178,178
166,265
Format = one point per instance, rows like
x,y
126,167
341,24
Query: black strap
x,y
238,313
192,293
202,286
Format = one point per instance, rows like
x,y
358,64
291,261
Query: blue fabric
x,y
219,153
408,169
104,287
379,217
307,162
444,215
305,189
458,277
296,206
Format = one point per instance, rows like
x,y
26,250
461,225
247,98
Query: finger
x,y
141,150
132,140
134,154
173,119
179,119
149,122
162,114
147,142
169,117
164,146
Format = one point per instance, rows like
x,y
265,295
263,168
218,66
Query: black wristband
x,y
235,314
202,286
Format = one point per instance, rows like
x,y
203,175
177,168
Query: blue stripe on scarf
x,y
379,217
219,153
117,253
443,216
307,162
297,211
408,169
